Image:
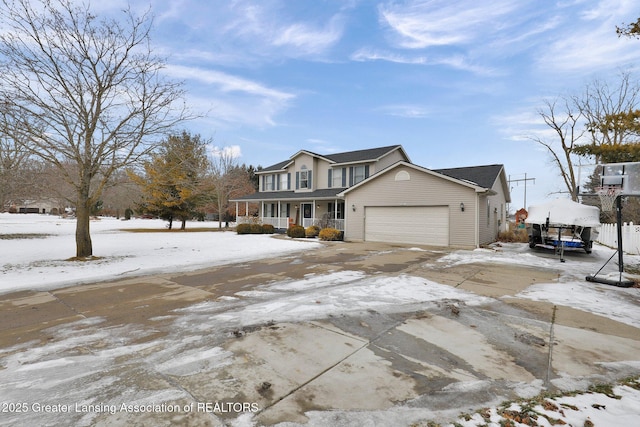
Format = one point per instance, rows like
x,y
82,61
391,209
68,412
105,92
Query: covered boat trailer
x,y
562,224
560,236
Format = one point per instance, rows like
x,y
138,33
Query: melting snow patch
x,y
620,304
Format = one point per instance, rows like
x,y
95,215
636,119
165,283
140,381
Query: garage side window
x,y
488,212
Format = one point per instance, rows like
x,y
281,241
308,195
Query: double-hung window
x,y
336,178
268,183
284,181
304,178
358,174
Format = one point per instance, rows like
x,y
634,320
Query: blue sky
x,y
457,83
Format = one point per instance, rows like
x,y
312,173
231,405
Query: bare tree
x,y
601,103
12,160
228,180
85,94
565,120
585,124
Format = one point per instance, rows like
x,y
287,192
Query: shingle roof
x,y
346,157
276,167
483,176
326,193
361,155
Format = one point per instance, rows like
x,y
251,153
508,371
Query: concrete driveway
x,y
166,350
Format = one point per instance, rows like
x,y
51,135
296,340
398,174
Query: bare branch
x,y
84,93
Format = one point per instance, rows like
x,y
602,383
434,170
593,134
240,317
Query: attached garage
x,y
420,225
408,204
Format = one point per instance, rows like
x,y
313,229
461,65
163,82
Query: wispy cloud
x,y
369,54
308,39
321,146
456,61
265,30
590,44
230,151
418,24
232,99
227,83
406,110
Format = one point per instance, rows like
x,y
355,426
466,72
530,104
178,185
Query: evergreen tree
x,y
174,185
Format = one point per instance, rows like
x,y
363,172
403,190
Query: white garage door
x,y
422,225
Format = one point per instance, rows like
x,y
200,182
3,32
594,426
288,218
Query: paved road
x,y
200,348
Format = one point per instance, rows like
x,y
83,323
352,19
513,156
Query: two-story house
x,y
379,195
304,189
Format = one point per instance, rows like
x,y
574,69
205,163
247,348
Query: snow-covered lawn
x,y
39,258
34,253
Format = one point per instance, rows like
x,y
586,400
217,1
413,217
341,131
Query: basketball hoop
x,y
608,195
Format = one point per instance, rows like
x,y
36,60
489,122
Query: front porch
x,y
282,215
284,223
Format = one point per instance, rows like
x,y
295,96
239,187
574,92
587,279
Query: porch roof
x,y
290,195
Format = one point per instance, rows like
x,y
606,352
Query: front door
x,y
307,214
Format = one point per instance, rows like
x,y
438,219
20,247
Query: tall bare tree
x,y
566,123
605,108
86,94
12,160
228,180
586,125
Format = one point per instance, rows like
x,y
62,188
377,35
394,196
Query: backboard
x,y
624,178
625,175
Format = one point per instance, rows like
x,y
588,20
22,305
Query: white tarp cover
x,y
564,212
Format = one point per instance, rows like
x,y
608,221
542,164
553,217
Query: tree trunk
x,y
184,224
219,214
170,222
84,248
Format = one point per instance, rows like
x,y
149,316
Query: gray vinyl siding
x,y
422,189
486,220
387,161
496,204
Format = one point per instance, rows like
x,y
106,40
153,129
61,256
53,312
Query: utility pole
x,y
525,179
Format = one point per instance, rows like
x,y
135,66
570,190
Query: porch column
x,y
335,211
262,211
236,212
246,209
279,214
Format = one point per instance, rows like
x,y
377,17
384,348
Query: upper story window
x,y
303,178
268,183
359,174
336,178
284,181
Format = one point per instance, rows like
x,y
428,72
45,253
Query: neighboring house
x,y
379,195
44,206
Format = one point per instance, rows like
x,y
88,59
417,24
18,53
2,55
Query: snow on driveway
x,y
33,253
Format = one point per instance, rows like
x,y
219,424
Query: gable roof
x,y
484,176
371,154
364,155
277,167
477,188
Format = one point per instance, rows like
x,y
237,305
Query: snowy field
x,y
34,250
39,260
